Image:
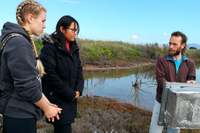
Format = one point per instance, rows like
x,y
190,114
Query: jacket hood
x,y
9,27
45,38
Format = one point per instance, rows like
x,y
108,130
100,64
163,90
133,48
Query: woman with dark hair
x,y
63,82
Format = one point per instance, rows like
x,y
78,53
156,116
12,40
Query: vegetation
x,y
193,53
117,53
38,44
114,53
192,48
107,115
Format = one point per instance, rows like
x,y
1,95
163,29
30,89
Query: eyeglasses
x,y
73,30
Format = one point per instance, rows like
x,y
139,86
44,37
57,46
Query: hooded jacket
x,y
18,68
63,77
166,72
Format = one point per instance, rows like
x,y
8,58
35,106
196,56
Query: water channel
x,y
120,84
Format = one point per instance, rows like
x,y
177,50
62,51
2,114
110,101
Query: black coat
x,y
63,77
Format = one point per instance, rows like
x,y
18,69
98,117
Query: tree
x,y
192,48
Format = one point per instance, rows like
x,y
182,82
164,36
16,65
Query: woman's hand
x,y
77,94
54,105
52,112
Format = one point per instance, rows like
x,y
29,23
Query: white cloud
x,y
155,36
73,2
165,34
134,36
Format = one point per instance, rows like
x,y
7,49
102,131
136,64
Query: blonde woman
x,y
21,68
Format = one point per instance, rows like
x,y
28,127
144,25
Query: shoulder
x,y
190,62
48,52
162,58
18,43
18,40
48,47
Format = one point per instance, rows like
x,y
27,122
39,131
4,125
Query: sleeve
x,y
192,70
51,78
22,66
160,73
80,80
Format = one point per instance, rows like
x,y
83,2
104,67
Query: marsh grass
x,y
117,53
193,53
106,115
111,53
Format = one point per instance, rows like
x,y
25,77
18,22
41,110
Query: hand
x,y
52,112
54,105
57,117
191,81
77,94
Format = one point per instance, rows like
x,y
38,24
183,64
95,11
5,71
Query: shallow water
x,y
119,84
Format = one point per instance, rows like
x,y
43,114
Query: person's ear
x,y
183,45
30,18
62,29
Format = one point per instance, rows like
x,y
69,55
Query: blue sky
x,y
133,21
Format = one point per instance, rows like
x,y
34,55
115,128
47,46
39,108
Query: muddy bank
x,y
121,67
125,65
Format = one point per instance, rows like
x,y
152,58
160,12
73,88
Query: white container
x,y
180,106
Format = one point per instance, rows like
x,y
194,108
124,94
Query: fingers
x,y
51,116
59,110
191,81
57,117
77,94
52,119
54,105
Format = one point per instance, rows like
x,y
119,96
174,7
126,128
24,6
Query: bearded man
x,y
174,67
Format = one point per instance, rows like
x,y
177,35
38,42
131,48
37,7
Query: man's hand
x,y
191,81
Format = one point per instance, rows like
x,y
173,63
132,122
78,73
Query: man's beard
x,y
177,52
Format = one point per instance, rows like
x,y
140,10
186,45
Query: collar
x,y
73,47
169,57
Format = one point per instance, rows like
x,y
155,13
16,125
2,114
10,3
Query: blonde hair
x,y
26,7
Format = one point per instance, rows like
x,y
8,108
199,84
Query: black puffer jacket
x,y
63,77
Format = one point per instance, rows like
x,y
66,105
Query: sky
x,y
132,21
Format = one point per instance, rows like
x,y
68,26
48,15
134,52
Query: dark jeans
x,y
62,128
15,125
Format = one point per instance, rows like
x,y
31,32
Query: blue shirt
x,y
177,64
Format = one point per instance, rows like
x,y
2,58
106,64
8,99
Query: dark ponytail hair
x,y
65,22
